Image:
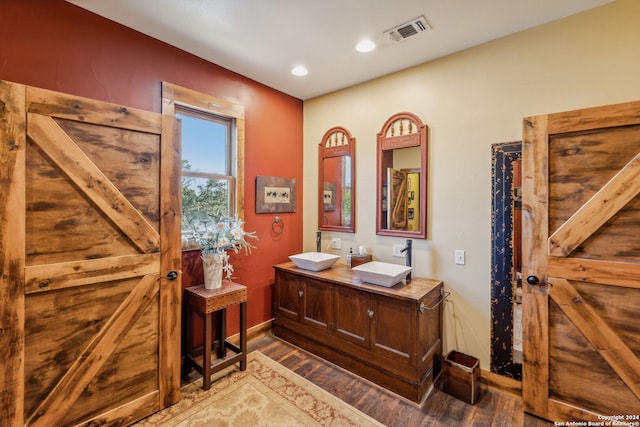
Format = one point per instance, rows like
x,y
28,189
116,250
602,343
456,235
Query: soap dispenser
x,y
349,257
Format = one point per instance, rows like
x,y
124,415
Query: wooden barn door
x,y
397,199
90,220
581,262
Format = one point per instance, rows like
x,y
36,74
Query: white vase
x,y
212,266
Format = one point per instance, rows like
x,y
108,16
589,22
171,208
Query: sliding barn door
x,y
581,262
90,220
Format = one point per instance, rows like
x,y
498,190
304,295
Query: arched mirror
x,y
402,177
336,181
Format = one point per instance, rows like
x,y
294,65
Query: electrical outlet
x,y
336,243
459,256
397,251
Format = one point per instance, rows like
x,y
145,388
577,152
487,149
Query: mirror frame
x,y
337,142
402,130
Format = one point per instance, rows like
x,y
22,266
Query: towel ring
x,y
277,227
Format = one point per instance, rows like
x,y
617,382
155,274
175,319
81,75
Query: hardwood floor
x,y
440,409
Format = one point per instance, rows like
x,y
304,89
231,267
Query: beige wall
x,y
471,100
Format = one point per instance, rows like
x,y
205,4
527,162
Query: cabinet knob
x,y
300,294
370,313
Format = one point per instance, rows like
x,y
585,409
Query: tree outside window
x,y
212,144
207,172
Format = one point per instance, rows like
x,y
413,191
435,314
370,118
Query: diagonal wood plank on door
x,y
603,205
64,395
603,338
89,179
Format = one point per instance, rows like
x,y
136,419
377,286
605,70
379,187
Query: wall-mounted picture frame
x,y
275,194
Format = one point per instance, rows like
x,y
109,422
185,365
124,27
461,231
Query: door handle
x,y
533,280
172,275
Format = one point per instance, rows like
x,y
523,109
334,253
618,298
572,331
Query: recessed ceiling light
x,y
299,70
365,46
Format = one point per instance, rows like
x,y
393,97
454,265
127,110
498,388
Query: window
x,y
212,146
207,173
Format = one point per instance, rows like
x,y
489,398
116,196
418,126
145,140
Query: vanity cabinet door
x,y
394,328
316,304
352,311
384,325
288,296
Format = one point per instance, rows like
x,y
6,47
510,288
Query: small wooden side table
x,y
206,302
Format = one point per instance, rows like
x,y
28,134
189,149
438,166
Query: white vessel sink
x,y
314,261
381,273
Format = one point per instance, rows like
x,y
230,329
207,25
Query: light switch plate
x,y
459,256
397,251
336,243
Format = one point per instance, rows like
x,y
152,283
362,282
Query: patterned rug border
x,y
303,401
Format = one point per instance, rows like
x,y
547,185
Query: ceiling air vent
x,y
408,29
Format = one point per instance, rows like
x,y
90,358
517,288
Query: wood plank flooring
x,y
440,409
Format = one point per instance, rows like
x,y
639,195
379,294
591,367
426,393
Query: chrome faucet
x,y
318,241
408,255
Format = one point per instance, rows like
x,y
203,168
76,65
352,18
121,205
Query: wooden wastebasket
x,y
461,374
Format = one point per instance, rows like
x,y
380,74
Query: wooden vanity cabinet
x,y
391,336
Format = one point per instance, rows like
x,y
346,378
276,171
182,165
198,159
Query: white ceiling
x,y
264,39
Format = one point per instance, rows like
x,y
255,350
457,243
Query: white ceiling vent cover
x,y
408,29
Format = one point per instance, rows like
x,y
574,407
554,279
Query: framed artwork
x,y
275,194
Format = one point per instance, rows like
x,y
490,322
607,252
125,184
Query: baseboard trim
x,y
253,332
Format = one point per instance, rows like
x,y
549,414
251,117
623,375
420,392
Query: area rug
x,y
265,394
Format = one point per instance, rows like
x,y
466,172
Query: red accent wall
x,y
55,45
